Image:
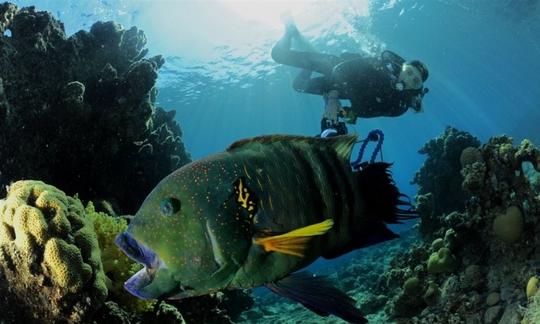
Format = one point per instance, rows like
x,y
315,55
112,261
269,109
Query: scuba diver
x,y
376,86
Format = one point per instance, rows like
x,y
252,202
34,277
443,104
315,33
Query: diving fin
x,y
318,295
294,242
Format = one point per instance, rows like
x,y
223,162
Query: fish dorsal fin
x,y
343,144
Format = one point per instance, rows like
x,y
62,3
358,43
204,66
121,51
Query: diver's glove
x,y
349,115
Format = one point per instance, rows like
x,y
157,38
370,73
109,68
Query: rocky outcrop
x,y
79,112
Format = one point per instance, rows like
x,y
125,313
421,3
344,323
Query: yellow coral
x,y
37,218
532,312
532,286
116,265
65,263
30,228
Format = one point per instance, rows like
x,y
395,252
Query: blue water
x,y
219,77
483,58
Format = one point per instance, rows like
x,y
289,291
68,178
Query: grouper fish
x,y
256,214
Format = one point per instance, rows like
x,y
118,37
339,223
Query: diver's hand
x,y
351,120
349,115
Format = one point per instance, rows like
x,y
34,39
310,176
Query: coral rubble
x,y
79,112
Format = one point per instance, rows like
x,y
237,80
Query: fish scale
x,y
327,190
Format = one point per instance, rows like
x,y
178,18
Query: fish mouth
x,y
140,253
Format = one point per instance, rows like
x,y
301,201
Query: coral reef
x,y
79,113
84,121
483,251
50,265
445,155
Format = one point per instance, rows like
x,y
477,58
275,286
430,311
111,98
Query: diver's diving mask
x,y
410,77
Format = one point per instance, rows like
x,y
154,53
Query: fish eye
x,y
170,206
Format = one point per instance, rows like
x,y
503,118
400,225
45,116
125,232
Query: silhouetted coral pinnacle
x,y
78,112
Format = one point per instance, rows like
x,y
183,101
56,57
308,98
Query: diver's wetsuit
x,y
368,82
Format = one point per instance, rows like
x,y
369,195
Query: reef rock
x,y
79,112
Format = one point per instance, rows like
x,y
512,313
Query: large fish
x,y
257,213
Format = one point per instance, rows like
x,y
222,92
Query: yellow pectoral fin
x,y
294,242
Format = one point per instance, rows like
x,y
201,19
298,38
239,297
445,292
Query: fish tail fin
x,y
296,241
383,201
382,204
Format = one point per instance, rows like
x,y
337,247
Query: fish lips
x,y
137,251
142,254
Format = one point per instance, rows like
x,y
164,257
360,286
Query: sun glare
x,y
267,12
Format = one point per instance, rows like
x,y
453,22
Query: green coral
x,y
412,286
49,251
117,266
470,155
441,261
437,244
432,293
509,226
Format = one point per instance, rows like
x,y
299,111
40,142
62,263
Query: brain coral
x,y
49,256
